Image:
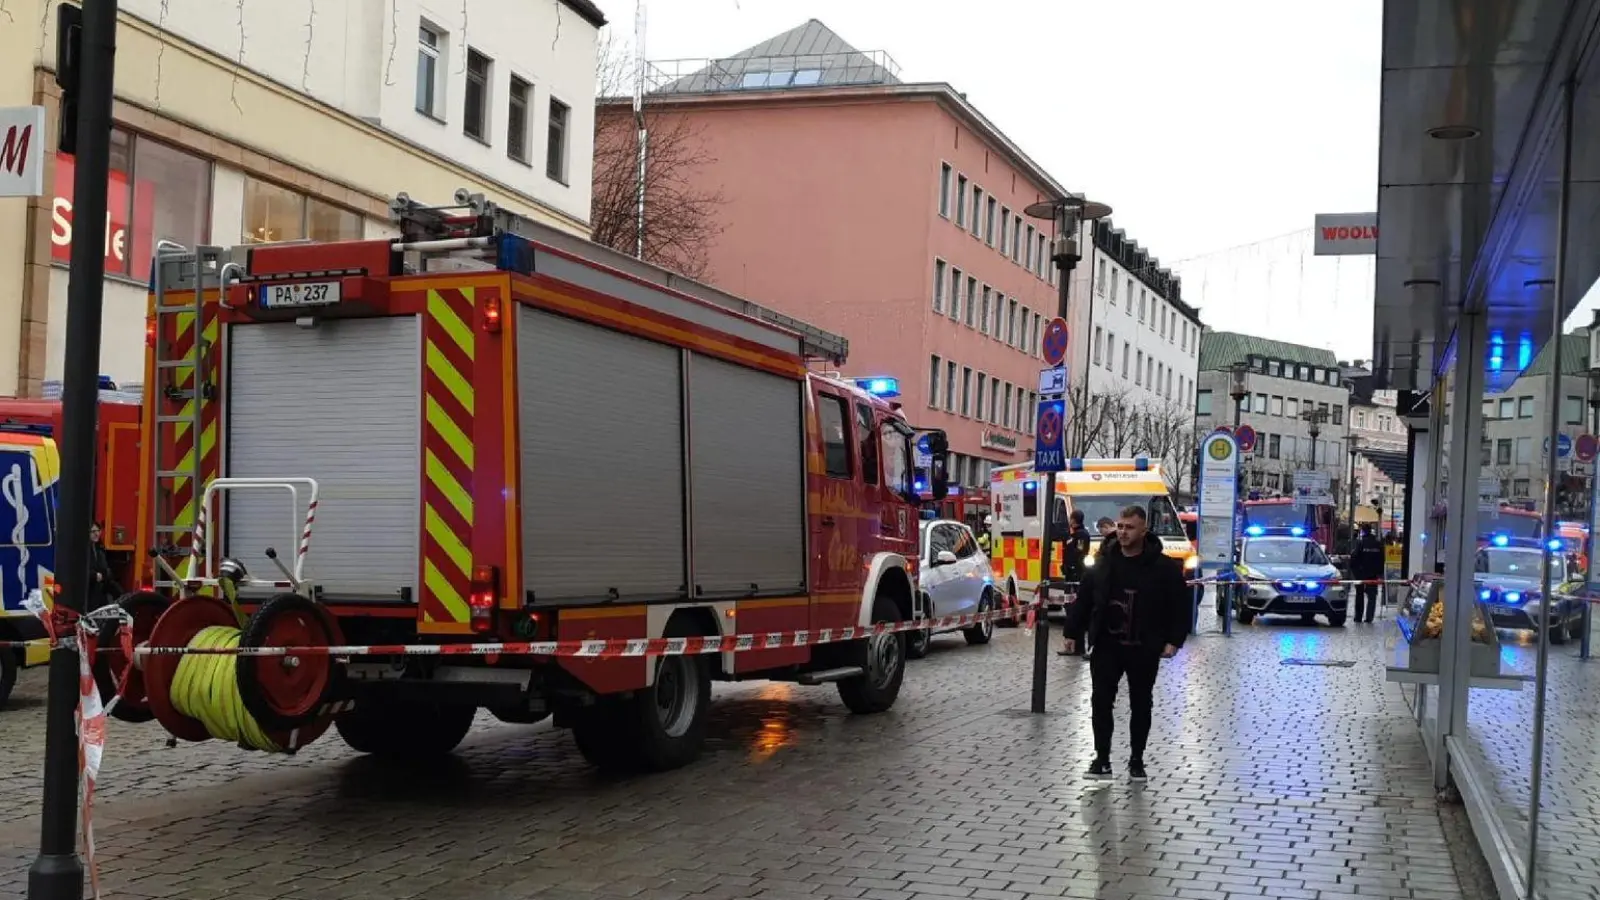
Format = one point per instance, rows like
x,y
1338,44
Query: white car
x,y
955,580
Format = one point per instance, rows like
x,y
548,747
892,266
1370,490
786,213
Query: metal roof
x,y
1392,463
1221,349
808,55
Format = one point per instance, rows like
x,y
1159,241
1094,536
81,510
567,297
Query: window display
x,y
1421,622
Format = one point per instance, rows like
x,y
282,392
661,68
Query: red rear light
x,y
150,332
491,315
484,597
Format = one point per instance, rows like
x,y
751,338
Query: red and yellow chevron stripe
x,y
1021,556
449,350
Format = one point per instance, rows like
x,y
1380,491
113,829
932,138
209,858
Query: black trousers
x,y
1366,599
1111,661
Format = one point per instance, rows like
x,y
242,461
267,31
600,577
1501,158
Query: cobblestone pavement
x,y
1267,780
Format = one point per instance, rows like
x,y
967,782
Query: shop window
x,y
176,188
127,233
273,213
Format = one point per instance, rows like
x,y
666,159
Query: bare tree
x,y
1090,416
680,215
1122,423
1167,433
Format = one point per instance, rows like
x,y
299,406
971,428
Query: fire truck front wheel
x,y
407,730
876,689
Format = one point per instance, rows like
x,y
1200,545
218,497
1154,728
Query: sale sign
x,y
129,221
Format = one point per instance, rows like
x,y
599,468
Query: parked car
x,y
1509,580
955,579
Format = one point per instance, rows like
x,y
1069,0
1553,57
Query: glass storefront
x,y
276,213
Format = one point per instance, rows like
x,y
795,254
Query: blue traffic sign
x,y
1563,445
1049,451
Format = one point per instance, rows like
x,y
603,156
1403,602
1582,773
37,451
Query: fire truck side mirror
x,y
939,465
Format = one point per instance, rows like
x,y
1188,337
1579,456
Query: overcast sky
x,y
1215,130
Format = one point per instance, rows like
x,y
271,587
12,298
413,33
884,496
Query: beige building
x,y
273,120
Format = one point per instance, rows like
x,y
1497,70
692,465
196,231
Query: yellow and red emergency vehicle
x,y
1099,488
488,430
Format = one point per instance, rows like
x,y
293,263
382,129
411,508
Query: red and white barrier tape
x,y
610,648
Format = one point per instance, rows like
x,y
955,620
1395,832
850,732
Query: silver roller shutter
x,y
341,403
748,487
602,461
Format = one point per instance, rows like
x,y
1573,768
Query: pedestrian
x,y
1366,566
1074,550
105,581
1137,614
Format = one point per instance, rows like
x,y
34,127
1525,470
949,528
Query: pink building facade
x,y
890,214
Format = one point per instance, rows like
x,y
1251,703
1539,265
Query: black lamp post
x,y
1351,489
1240,372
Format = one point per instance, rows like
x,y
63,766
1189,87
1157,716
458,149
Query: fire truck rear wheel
x,y
405,730
876,690
658,728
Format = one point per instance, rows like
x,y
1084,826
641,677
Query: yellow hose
x,y
206,687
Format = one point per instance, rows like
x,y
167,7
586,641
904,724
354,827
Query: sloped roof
x,y
1392,463
808,55
1574,357
1219,350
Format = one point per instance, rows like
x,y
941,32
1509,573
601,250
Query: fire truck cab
x,y
490,431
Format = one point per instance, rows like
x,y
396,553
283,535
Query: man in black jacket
x,y
1135,609
1074,549
1366,564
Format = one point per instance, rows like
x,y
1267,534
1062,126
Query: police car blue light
x,y
1255,531
1500,540
1484,594
1555,545
881,387
1297,531
1514,597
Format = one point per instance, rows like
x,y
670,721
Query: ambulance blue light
x,y
1514,597
1555,545
1297,531
920,485
1500,540
881,387
1484,594
1255,531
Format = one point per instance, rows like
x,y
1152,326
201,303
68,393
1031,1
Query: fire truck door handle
x,y
827,521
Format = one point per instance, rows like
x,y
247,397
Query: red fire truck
x,y
488,430
1281,515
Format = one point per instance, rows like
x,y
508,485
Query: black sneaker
x,y
1100,768
1136,770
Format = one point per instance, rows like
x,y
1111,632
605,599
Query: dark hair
x,y
1104,522
1134,511
1077,517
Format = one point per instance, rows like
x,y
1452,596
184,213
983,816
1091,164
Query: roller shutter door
x,y
602,462
748,488
340,403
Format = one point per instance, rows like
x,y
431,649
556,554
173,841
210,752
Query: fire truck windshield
x,y
1163,516
1277,516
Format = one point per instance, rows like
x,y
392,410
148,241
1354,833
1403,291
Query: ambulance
x,y
1099,488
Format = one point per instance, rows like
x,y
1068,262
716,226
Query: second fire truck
x,y
486,431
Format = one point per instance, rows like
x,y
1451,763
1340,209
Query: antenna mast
x,y
643,133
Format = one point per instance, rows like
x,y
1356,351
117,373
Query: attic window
x,y
808,76
780,79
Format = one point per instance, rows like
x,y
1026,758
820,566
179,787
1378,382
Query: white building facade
x,y
289,120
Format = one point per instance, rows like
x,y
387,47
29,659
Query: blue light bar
x,y
1311,585
1297,531
880,387
1500,540
1255,531
1484,594
1514,597
1555,545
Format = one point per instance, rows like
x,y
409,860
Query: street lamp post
x,y
1240,371
1350,488
1064,214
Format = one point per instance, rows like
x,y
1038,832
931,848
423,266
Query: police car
x,y
1508,576
1286,573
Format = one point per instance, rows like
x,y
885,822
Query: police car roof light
x,y
1297,531
1500,540
1255,531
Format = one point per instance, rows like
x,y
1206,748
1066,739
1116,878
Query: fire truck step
x,y
168,420
827,676
177,473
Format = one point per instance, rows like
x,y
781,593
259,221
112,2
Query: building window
x,y
518,103
1524,450
1507,405
1043,256
994,401
938,285
1150,372
944,190
1100,278
1274,446
999,316
1292,408
1138,369
475,110
972,300
555,161
949,387
1011,322
430,59
1261,404
1572,410
1005,411
966,391
1202,402
1125,354
1524,407
1033,336
1098,335
1028,252
273,213
977,210
1016,238
1111,350
1338,414
961,200
983,319
983,388
955,293
988,222
1502,452
1276,408
933,381
1021,403
1005,227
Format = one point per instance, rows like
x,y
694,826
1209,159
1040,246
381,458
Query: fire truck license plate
x,y
281,296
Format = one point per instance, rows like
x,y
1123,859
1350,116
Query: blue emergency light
x,y
1255,531
880,387
1500,540
920,485
1484,594
1514,597
1555,545
1297,531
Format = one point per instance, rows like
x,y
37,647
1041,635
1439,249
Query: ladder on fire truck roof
x,y
474,216
181,380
